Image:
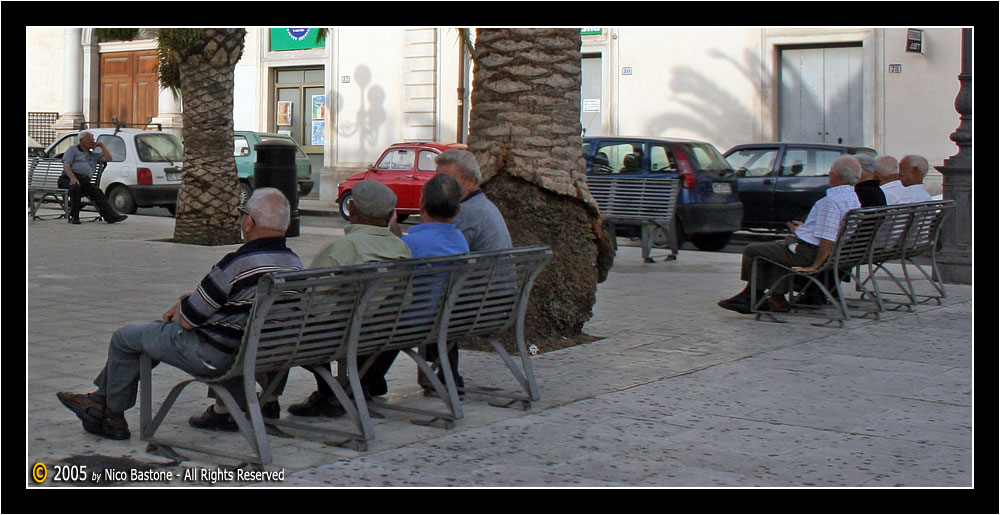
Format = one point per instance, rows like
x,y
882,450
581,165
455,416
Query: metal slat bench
x,y
912,231
650,202
314,317
869,239
43,186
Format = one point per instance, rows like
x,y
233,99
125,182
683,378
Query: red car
x,y
404,168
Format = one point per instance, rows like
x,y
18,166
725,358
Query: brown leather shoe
x,y
94,416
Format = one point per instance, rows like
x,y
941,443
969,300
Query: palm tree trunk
x,y
525,131
207,201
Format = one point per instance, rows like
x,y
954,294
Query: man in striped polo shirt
x,y
202,332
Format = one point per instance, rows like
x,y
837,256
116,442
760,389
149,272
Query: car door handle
x,y
768,181
408,176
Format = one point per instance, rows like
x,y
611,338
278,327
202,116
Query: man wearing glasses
x,y
202,332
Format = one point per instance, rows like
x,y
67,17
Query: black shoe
x,y
271,410
737,305
115,219
214,421
317,405
74,221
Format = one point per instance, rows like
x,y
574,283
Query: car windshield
x,y
298,151
709,159
159,148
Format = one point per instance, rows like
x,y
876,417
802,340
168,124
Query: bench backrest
x,y
311,316
892,232
44,172
635,199
925,226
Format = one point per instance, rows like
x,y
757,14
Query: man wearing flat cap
x,y
366,240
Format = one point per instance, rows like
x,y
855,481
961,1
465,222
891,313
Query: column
x,y
72,109
955,258
169,113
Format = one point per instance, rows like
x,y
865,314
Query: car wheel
x,y
344,202
245,192
401,218
121,199
711,242
304,190
172,209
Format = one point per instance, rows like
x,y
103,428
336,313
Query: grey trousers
x,y
778,251
163,341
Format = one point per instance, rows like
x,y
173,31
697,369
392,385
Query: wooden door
x,y
130,86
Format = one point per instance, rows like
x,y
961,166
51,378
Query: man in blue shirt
x,y
79,167
440,202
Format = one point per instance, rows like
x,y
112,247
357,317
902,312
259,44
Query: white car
x,y
144,170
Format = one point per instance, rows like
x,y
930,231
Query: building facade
x,y
364,88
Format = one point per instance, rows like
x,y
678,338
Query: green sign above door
x,y
294,39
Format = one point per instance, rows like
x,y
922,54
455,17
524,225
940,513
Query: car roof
x,y
664,139
800,144
438,145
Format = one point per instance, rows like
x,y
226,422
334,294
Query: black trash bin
x,y
275,168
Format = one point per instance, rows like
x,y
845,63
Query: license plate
x,y
173,176
722,187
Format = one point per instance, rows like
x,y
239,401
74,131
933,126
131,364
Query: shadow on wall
x,y
711,110
370,116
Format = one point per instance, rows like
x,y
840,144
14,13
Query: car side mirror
x,y
371,168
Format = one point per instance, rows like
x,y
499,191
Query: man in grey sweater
x,y
479,220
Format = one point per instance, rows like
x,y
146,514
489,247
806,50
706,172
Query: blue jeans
x,y
163,341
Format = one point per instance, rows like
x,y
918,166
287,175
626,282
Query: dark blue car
x,y
779,182
709,210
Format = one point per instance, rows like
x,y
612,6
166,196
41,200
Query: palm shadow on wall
x,y
712,111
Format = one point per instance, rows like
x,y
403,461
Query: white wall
x,y
696,83
369,107
44,68
920,110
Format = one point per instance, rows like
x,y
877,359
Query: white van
x,y
145,169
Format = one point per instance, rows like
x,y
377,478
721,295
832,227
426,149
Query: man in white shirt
x,y
887,171
810,243
912,170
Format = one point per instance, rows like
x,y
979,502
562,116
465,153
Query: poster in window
x,y
318,132
284,112
319,107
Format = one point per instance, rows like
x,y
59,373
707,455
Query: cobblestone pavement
x,y
677,392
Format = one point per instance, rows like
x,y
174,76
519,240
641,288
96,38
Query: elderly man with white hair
x,y
887,172
79,167
809,244
202,332
912,170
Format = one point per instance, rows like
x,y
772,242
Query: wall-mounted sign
x,y
294,39
591,31
627,70
591,105
915,41
895,68
345,79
